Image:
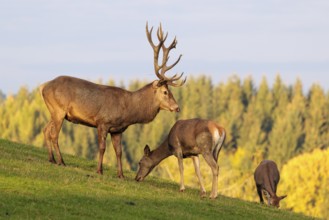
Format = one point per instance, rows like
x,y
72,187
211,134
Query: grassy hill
x,y
32,188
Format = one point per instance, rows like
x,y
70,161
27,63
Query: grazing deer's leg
x,y
102,134
54,133
181,171
116,141
46,132
260,194
214,168
196,163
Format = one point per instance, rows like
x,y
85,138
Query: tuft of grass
x,y
32,188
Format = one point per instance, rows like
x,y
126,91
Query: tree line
x,y
277,122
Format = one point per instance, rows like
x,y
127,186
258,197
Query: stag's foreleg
x,y
181,170
116,142
215,169
196,163
102,134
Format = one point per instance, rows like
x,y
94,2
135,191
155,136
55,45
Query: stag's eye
x,y
165,92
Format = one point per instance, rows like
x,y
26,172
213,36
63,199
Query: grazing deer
x,y
267,177
187,138
109,109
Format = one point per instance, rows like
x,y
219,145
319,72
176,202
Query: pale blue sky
x,y
92,39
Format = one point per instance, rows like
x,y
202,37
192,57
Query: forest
x,y
284,123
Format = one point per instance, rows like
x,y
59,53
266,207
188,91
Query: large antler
x,y
163,67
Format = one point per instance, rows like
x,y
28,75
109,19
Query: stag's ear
x,y
282,197
147,150
155,84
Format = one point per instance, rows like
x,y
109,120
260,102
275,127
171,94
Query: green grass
x,y
32,188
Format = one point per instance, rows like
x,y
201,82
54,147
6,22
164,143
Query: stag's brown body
x,y
188,138
109,109
267,177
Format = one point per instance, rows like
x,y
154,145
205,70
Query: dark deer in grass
x,y
188,138
267,177
109,109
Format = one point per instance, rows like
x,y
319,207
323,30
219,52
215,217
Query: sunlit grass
x,y
32,188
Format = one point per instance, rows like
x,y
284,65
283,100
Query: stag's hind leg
x,y
46,132
55,128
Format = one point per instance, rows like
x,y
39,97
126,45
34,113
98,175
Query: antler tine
x,y
175,77
160,35
149,35
173,44
166,68
171,83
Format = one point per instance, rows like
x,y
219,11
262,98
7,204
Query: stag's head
x,y
161,86
146,165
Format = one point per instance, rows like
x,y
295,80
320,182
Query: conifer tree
x,y
248,91
231,117
287,134
317,120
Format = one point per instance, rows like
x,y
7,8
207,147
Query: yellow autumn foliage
x,y
305,179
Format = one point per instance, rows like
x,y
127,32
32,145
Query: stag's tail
x,y
219,140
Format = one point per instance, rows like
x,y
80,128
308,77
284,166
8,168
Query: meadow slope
x,y
32,188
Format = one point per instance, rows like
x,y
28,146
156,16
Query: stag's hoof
x,y
100,172
182,190
203,194
61,163
52,161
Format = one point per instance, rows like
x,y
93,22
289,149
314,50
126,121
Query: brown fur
x,y
109,109
267,177
187,138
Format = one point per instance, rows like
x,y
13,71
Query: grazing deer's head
x,y
162,93
146,165
276,201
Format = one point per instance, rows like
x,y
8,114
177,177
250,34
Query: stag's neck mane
x,y
143,105
160,153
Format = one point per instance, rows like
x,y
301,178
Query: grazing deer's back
x,y
193,133
185,132
267,175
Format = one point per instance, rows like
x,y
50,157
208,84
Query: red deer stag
x,y
188,138
267,177
109,109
